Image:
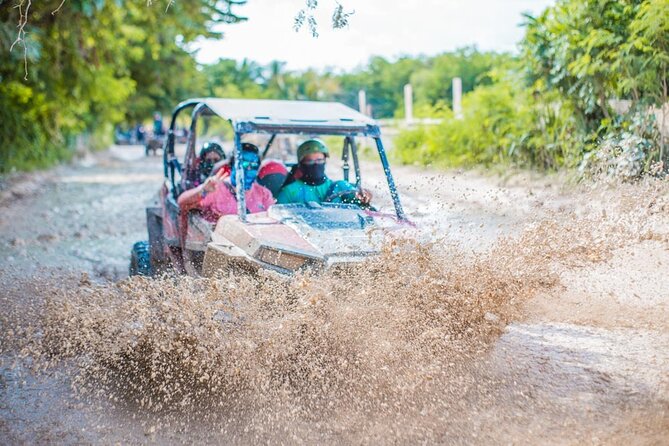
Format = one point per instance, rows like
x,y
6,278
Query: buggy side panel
x,y
154,225
170,213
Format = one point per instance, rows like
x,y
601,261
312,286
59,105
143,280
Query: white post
x,y
362,102
457,97
408,104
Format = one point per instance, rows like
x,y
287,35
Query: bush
x,y
630,148
501,124
29,139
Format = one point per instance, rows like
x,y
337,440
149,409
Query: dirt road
x,y
542,316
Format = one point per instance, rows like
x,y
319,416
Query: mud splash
x,y
393,350
310,345
261,357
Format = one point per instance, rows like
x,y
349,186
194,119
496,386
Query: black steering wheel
x,y
340,194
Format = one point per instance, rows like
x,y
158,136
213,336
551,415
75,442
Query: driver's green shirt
x,y
300,192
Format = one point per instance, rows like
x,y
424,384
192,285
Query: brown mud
x,y
538,316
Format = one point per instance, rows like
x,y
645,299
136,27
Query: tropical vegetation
x,y
592,74
589,74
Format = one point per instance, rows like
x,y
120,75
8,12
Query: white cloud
x,y
379,27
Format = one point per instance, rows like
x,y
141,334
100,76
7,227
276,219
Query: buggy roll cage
x,y
274,117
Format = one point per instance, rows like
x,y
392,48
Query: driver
x,y
314,185
210,154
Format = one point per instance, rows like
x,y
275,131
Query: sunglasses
x,y
314,162
250,165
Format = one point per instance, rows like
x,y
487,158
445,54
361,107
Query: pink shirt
x,y
223,202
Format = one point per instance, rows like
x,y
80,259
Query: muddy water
x,y
557,334
81,217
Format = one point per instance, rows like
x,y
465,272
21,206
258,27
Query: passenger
x,y
217,196
158,127
210,154
314,185
272,175
293,174
223,168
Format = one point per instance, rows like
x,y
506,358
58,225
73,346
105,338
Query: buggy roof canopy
x,y
277,116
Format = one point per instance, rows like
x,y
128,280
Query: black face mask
x,y
313,174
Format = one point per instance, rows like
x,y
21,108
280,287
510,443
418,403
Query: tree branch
x,y
21,33
55,11
306,15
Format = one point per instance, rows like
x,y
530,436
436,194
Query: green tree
x,y
596,50
433,84
228,78
90,65
383,82
574,47
646,53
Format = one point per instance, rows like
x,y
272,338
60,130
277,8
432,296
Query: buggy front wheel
x,y
140,260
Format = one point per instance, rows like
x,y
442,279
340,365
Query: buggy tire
x,y
193,261
140,260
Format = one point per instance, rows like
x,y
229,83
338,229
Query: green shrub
x,y
410,146
29,138
631,148
502,124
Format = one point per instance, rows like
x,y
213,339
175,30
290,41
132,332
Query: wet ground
x,y
557,335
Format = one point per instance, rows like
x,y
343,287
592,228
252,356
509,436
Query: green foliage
x,y
229,79
30,139
97,63
433,83
628,150
431,79
383,81
574,48
502,124
593,51
577,56
647,53
93,64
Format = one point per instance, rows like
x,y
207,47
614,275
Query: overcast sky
x,y
378,27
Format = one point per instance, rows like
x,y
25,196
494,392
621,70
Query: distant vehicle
x,y
156,139
286,238
153,144
133,136
123,137
181,136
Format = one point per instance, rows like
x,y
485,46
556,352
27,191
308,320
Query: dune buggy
x,y
286,237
